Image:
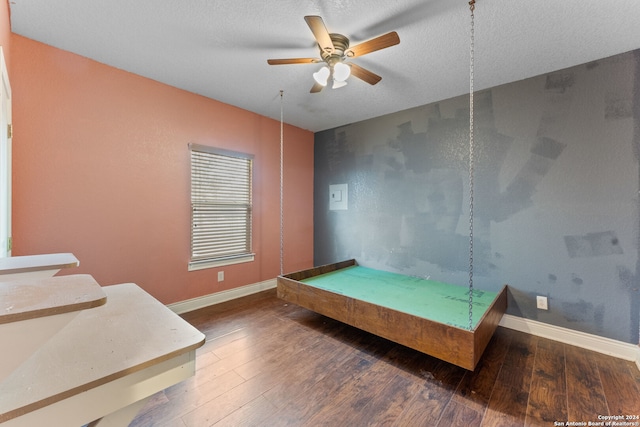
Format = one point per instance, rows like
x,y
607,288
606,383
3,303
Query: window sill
x,y
220,262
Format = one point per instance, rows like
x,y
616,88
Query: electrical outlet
x,y
542,302
220,276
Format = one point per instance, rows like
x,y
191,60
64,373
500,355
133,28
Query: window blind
x,y
221,184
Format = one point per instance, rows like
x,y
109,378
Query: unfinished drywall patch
x,y
559,82
584,312
576,280
616,108
519,193
593,244
548,148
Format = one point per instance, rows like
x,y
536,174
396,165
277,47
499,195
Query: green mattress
x,y
430,299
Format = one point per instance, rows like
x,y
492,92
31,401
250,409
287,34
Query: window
x,y
220,207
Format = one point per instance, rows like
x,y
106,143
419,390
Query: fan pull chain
x,y
281,182
471,165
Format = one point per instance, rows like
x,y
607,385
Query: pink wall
x,y
5,31
101,169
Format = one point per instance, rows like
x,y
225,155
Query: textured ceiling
x,y
219,49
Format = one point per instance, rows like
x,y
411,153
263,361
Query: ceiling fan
x,y
334,50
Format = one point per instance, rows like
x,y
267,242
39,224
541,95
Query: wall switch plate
x,y
542,302
338,197
220,276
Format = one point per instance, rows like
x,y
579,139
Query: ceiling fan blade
x,y
364,74
317,87
381,42
293,61
319,30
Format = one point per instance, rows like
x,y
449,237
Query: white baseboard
x,y
596,343
218,297
619,349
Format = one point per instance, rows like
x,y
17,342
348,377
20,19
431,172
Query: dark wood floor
x,y
269,363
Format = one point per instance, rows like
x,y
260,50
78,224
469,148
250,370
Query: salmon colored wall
x,y
101,169
5,31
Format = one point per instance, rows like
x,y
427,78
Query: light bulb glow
x,y
341,71
322,75
338,84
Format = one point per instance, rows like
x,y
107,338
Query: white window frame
x,y
221,207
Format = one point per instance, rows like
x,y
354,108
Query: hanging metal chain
x,y
281,182
471,164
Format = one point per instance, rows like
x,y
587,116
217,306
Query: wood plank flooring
x,y
269,363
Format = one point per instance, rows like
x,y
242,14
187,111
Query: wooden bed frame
x,y
461,347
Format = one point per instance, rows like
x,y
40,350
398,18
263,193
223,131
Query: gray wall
x,y
555,194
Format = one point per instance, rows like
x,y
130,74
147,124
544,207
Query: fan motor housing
x,y
340,45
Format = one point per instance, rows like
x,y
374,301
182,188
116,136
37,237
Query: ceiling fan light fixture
x,y
341,72
322,75
338,84
334,50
